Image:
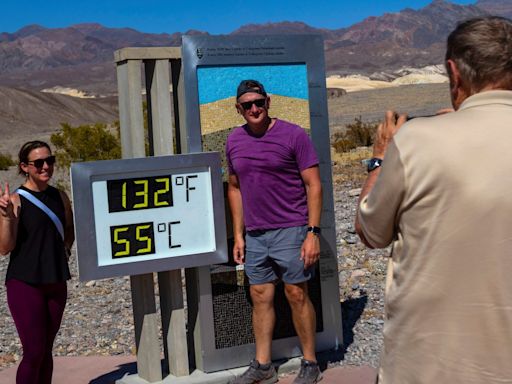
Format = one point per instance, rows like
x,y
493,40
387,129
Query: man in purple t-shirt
x,y
275,195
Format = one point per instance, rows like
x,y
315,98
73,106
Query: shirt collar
x,y
487,97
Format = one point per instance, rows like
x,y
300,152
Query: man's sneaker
x,y
257,374
309,373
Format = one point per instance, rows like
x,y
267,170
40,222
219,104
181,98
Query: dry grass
x,y
355,155
347,166
372,314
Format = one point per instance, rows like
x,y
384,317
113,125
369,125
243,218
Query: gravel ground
x,y
362,272
98,318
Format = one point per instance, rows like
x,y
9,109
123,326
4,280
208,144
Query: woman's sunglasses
x,y
38,163
260,103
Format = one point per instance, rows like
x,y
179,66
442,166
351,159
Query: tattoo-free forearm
x,y
235,205
311,178
367,187
8,233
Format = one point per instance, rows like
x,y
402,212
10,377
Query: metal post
x,y
143,295
169,282
161,139
146,327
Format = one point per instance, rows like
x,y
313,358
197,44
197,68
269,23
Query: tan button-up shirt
x,y
444,200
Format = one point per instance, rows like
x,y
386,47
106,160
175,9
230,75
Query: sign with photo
x,y
291,68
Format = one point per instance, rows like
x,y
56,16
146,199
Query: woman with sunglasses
x,y
39,249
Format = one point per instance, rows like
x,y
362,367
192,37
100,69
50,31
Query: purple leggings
x,y
37,312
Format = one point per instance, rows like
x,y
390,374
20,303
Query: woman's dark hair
x,y
25,151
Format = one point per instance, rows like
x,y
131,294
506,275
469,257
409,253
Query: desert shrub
x,y
5,162
357,134
86,143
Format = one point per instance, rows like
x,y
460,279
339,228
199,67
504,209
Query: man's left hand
x,y
385,132
310,251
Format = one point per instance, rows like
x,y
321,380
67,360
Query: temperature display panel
x,y
132,240
163,215
139,193
136,216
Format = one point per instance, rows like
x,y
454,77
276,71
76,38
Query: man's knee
x,y
297,294
262,294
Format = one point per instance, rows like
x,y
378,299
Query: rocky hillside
x,y
26,115
81,56
412,38
496,7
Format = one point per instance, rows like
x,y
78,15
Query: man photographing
x,y
275,195
439,190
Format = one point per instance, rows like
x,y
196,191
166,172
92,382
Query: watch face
x,y
374,163
315,230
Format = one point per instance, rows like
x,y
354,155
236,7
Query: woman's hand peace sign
x,y
6,206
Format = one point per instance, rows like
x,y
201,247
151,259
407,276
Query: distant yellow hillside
x,y
219,118
221,115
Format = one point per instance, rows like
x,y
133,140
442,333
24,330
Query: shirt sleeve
x,y
305,153
228,158
379,211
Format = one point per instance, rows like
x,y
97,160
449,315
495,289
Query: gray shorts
x,y
275,254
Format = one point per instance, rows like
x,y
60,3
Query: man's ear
x,y
453,73
458,91
268,102
238,106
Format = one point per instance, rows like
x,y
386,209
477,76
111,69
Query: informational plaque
x,y
144,215
291,68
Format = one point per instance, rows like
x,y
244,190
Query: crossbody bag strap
x,y
38,203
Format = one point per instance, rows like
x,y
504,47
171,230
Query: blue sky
x,y
217,83
213,16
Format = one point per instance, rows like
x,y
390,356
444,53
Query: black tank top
x,y
39,256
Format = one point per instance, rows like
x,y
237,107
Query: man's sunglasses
x,y
50,160
259,103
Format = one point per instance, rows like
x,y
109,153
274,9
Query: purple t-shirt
x,y
268,170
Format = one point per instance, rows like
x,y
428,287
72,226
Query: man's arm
x,y
237,215
385,132
310,252
367,187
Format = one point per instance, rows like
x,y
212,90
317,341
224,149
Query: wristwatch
x,y
374,163
315,230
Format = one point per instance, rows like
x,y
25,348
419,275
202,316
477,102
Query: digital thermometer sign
x,y
146,215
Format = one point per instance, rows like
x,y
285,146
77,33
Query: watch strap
x,y
315,230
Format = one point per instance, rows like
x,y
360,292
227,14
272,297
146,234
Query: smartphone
x,y
413,117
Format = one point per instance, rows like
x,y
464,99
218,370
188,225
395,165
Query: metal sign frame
x,y
83,175
204,51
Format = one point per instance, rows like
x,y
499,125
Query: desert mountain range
x,y
80,57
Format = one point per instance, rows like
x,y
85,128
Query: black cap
x,y
247,86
